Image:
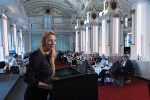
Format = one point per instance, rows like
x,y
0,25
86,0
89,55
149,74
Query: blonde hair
x,y
52,52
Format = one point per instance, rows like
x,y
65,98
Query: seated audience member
x,y
14,64
116,67
103,60
65,60
127,68
85,63
74,61
115,71
99,58
96,61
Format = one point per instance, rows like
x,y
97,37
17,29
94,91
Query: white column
x,y
21,50
1,41
12,39
4,35
134,44
95,39
107,38
30,41
83,40
80,41
147,30
100,40
116,36
23,42
14,34
143,23
103,36
20,42
91,38
77,42
88,39
121,38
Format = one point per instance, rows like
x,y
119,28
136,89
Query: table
x,y
99,68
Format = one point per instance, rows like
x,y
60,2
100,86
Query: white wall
x,y
64,40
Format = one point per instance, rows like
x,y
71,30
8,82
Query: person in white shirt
x,y
14,64
103,60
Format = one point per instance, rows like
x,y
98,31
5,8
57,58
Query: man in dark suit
x,y
85,64
111,72
127,68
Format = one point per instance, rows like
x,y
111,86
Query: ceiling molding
x,y
40,10
50,5
63,4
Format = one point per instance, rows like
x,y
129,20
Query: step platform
x,y
7,82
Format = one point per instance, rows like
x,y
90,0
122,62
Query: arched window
x,y
47,22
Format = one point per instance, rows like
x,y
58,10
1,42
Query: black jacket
x,y
39,69
128,66
116,66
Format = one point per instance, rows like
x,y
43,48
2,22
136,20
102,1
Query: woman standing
x,y
41,69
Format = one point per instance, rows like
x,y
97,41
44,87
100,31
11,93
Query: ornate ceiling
x,y
65,9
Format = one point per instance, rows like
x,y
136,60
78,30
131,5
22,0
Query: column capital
x,y
96,24
3,16
104,16
132,11
108,21
122,22
13,25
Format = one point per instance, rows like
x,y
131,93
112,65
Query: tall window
x,y
47,22
20,40
125,41
35,41
126,22
63,42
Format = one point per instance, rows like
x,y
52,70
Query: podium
x,y
75,85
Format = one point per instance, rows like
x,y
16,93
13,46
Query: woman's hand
x,y
55,78
45,86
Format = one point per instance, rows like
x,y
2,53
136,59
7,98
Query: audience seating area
x,y
80,59
85,61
